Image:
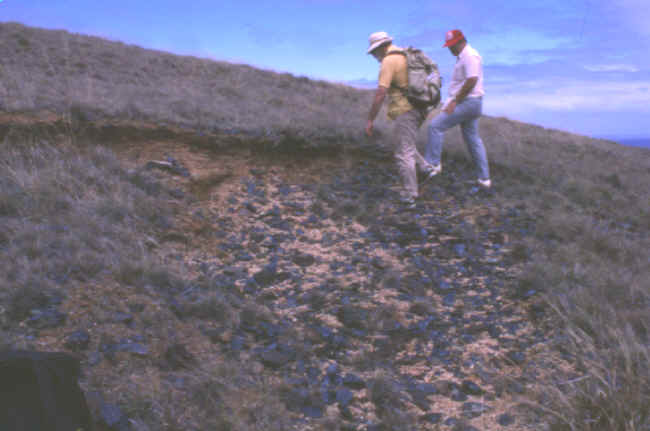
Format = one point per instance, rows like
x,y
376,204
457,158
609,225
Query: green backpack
x,y
424,86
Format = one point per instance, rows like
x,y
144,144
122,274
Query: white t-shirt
x,y
468,64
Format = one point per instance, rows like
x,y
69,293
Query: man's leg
x,y
405,134
472,108
420,162
441,123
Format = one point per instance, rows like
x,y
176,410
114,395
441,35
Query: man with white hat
x,y
463,107
393,79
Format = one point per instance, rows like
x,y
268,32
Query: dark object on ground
x,y
78,340
178,357
39,392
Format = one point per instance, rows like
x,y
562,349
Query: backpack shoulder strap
x,y
401,52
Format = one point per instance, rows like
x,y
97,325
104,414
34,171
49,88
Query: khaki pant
x,y
407,156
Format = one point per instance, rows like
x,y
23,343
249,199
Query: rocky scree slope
x,y
364,315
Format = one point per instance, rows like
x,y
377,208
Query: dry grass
x,y
73,215
89,78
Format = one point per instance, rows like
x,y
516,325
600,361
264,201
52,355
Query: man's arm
x,y
380,95
467,87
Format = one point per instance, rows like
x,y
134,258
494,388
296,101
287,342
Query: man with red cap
x,y
463,107
407,119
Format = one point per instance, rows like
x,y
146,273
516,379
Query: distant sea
x,y
632,142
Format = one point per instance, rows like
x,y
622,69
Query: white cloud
x,y
612,68
518,46
573,96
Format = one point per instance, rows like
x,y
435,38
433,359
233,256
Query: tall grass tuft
x,y
71,214
612,356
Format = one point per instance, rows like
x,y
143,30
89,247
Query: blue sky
x,y
576,65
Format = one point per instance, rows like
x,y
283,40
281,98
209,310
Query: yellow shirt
x,y
393,75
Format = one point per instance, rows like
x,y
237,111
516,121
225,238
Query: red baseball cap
x,y
453,37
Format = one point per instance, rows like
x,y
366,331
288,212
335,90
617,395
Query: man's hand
x,y
451,106
380,95
467,87
369,128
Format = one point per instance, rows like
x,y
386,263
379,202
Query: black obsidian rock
x,y
474,410
471,388
274,358
353,317
516,356
344,397
277,355
46,318
432,418
178,357
303,259
78,340
353,381
505,420
458,395
267,275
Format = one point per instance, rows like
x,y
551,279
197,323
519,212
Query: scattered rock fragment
x,y
303,259
471,388
178,357
432,418
344,397
77,341
46,318
353,381
267,275
473,410
276,358
505,420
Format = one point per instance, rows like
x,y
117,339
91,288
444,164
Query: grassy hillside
x,y
94,78
88,235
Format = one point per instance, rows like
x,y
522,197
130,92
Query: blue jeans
x,y
467,114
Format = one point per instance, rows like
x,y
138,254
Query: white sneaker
x,y
406,203
486,184
432,171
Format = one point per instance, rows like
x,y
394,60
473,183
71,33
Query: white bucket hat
x,y
377,39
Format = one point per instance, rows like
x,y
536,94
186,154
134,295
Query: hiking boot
x,y
485,184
